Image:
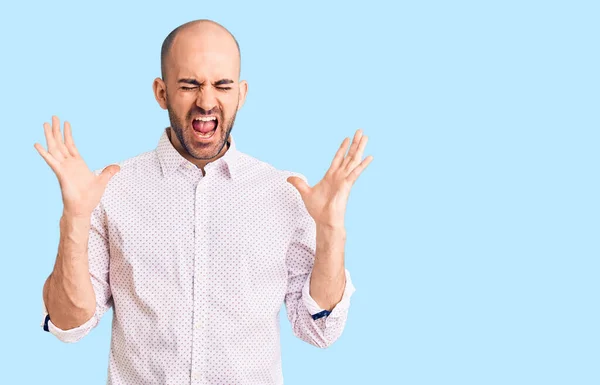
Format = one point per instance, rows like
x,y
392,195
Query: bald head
x,y
205,33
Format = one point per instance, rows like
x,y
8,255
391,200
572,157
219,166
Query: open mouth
x,y
205,126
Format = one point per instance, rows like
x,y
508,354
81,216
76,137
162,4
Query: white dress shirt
x,y
197,267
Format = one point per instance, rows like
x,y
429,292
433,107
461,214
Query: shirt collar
x,y
170,159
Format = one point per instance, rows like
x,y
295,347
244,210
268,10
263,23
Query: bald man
x,y
196,245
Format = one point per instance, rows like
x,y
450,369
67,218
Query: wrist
x,y
334,230
69,216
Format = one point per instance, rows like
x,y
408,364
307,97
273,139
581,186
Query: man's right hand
x,y
81,188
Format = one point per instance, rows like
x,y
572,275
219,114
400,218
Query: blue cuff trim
x,y
321,314
46,323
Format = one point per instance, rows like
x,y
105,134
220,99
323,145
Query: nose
x,y
207,99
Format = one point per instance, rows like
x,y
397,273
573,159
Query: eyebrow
x,y
196,83
223,81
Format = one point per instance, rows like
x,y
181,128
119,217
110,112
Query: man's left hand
x,y
326,201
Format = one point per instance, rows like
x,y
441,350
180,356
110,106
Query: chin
x,y
205,148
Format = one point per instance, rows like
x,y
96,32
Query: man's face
x,y
202,114
203,93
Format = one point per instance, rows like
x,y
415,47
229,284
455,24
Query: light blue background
x,y
472,236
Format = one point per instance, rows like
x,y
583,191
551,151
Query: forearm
x,y
328,278
68,291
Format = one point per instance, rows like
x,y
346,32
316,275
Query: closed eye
x,y
193,88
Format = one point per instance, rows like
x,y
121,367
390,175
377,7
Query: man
x,y
196,245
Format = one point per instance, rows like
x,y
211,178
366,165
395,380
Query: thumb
x,y
108,173
299,184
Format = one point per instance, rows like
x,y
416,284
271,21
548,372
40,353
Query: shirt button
x,y
198,325
195,376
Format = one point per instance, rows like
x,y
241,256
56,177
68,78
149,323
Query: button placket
x,y
200,295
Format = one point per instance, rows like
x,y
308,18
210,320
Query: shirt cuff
x,y
318,312
70,335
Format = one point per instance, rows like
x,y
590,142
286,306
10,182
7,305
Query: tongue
x,y
204,127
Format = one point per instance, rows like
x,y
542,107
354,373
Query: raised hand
x,y
81,188
326,201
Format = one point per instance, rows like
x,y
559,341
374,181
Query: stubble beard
x,y
188,143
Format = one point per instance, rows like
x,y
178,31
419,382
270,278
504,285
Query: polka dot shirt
x,y
197,268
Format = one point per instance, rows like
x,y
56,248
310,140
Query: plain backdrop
x,y
472,238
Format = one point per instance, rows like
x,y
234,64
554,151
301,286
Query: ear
x,y
243,91
160,92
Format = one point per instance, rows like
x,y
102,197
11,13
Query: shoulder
x,y
145,161
258,170
141,168
270,179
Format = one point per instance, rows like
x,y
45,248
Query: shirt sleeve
x,y
310,323
98,254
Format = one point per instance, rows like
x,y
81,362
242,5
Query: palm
x,y
79,184
81,188
326,201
